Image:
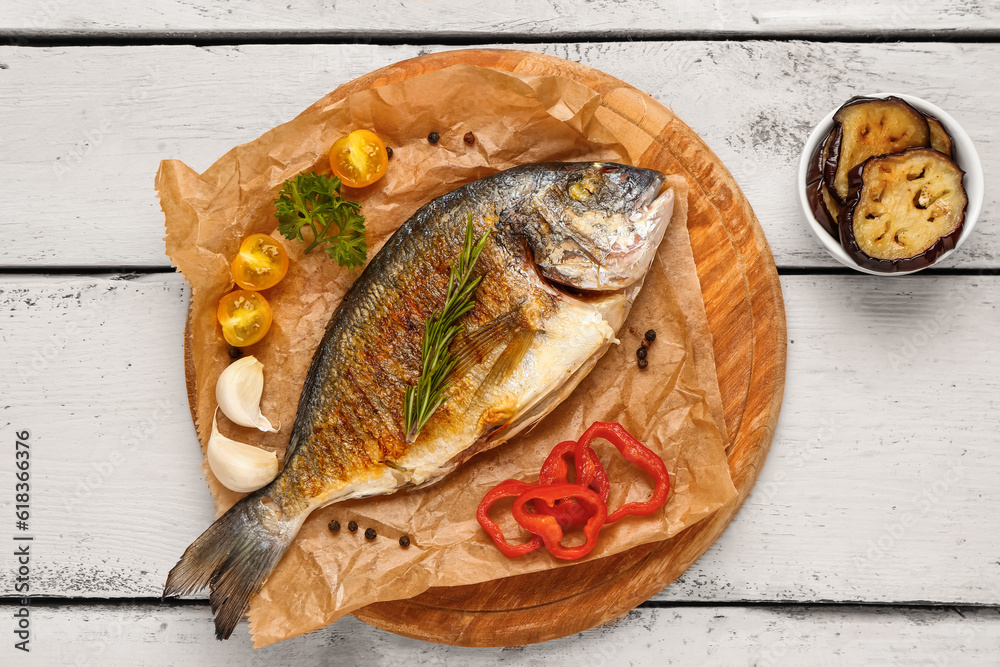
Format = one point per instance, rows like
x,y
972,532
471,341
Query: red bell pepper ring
x,y
567,511
632,450
547,526
506,489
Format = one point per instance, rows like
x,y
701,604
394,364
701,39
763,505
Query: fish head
x,y
598,224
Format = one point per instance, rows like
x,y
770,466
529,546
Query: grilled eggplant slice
x,y
824,208
831,204
904,210
865,127
940,139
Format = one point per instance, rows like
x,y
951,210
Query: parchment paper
x,y
674,406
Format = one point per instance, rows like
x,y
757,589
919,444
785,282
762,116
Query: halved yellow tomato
x,y
359,159
245,317
261,263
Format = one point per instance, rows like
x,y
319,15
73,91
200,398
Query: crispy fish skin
x,y
528,342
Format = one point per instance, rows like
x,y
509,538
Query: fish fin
x,y
508,360
395,466
233,557
532,416
474,347
293,443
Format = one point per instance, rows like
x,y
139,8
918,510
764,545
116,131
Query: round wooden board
x,y
746,315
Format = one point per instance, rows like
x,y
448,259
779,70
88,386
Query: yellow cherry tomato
x,y
245,317
359,159
261,263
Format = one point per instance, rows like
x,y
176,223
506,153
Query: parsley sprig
x,y
423,399
313,200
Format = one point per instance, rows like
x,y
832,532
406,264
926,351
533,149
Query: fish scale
x,y
569,245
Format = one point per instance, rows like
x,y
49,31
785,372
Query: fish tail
x,y
233,558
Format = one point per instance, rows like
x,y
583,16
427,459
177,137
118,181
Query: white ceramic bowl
x,y
963,152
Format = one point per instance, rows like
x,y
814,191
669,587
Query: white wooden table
x,y
873,535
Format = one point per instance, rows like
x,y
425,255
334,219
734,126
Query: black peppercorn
x,y
404,541
334,526
469,138
433,137
235,352
388,151
352,526
643,363
641,353
370,534
650,335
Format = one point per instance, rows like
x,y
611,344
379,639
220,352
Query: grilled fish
x,y
569,245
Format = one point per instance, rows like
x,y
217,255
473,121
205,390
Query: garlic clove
x,y
239,466
238,391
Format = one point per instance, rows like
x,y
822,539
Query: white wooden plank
x,y
764,636
550,18
103,141
881,485
91,124
93,369
882,473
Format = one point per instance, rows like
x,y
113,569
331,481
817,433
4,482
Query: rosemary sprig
x,y
442,327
